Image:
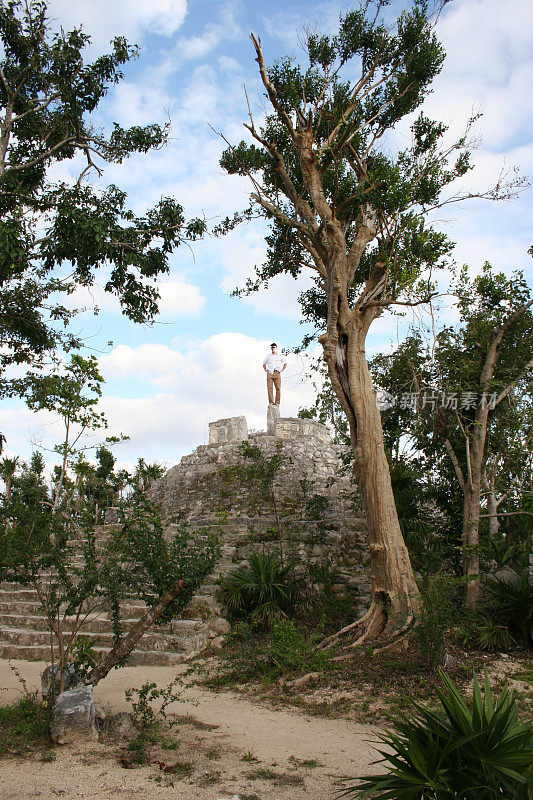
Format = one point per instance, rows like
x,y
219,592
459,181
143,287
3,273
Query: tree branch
x,y
456,465
503,394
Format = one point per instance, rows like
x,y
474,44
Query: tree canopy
x,y
55,235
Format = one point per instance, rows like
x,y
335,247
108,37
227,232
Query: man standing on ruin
x,y
274,365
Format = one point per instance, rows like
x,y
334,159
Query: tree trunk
x,y
492,511
125,646
395,595
471,541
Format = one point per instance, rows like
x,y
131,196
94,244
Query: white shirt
x,y
274,362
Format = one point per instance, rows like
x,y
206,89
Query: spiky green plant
x,y
262,591
454,753
488,634
511,603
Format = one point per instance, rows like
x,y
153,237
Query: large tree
x,y
55,235
344,208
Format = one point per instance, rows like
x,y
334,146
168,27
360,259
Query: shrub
x,y
436,618
262,592
455,753
285,650
291,651
486,633
24,725
148,695
511,604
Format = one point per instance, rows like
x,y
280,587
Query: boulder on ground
x,y
218,626
121,726
50,679
74,717
504,575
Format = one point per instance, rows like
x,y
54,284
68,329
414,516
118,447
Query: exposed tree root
x,y
376,627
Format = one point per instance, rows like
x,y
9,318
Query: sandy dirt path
x,y
280,740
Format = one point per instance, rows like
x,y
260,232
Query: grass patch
x,y
181,769
250,757
168,743
138,750
24,727
280,778
262,773
307,763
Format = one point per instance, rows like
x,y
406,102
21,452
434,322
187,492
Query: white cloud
x,y
146,360
244,249
138,104
225,28
103,19
177,298
182,391
215,378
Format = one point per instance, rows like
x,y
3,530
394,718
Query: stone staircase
x,y
24,632
196,491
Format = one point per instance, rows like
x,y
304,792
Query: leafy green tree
x,y
55,235
471,416
342,207
78,569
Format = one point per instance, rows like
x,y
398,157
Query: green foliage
x,y
138,750
148,563
142,701
345,120
261,592
84,657
24,725
439,612
511,603
292,651
323,608
56,547
504,620
420,528
286,650
51,95
456,752
488,303
484,632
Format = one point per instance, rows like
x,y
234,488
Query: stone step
x,y
154,658
95,624
152,640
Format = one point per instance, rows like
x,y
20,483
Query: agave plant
x,y
455,753
262,591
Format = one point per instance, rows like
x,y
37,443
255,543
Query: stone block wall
x,y
200,490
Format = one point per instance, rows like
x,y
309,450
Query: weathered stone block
x,y
74,717
228,430
219,626
290,427
272,419
112,516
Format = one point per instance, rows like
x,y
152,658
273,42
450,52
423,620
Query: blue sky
x,y
202,360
